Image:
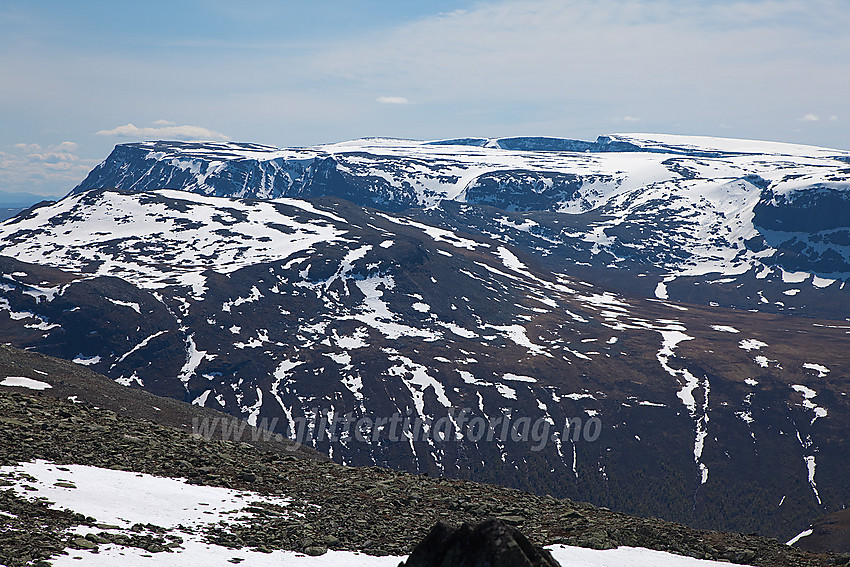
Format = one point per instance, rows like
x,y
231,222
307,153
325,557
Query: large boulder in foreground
x,y
488,544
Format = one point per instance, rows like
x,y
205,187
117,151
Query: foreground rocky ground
x,y
374,510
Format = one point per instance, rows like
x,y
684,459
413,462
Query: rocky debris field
x,y
372,510
75,381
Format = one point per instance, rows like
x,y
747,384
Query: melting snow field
x,y
123,498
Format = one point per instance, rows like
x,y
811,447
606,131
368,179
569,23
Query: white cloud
x,y
164,133
50,170
392,100
500,68
631,119
563,67
28,147
67,147
833,118
810,118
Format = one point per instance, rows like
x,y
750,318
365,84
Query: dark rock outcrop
x,y
489,544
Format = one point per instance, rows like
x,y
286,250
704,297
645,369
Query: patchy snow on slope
x,y
123,498
808,395
376,313
161,237
417,380
254,296
751,344
438,234
519,335
765,362
194,357
708,186
354,341
506,391
672,335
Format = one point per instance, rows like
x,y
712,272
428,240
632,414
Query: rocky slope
x,y
373,510
67,381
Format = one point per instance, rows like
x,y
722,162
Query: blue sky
x,y
77,78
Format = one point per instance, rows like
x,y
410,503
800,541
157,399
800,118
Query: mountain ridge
x,y
736,214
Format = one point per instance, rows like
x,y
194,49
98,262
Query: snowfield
x,y
24,382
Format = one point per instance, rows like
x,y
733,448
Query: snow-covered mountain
x,y
462,281
739,218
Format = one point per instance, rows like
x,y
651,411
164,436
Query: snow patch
x,y
518,377
808,395
799,536
751,344
86,360
819,368
24,382
725,329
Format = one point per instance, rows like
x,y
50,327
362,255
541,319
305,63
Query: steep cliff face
x,y
231,169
